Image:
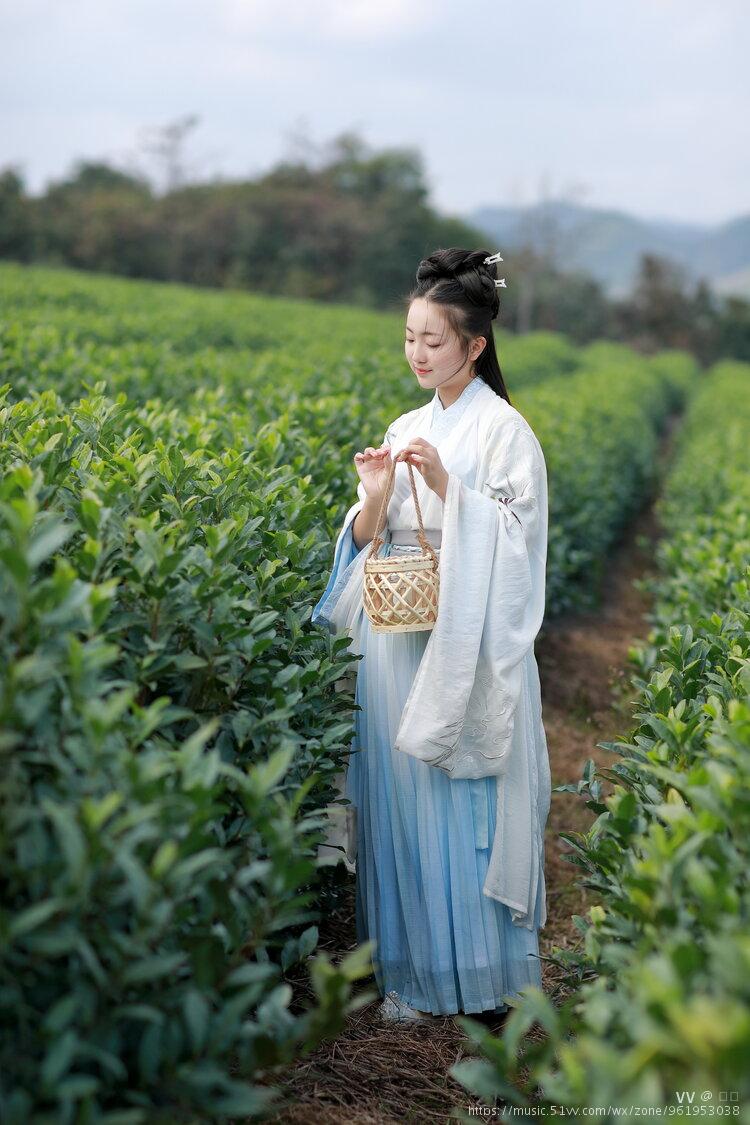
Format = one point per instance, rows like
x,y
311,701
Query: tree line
x,y
348,229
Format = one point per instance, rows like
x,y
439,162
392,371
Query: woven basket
x,y
400,592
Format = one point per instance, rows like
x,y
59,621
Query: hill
x,y
607,243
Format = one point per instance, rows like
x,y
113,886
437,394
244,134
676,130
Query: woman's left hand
x,y
427,460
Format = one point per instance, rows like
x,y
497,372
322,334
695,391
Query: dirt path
x,y
366,1075
583,668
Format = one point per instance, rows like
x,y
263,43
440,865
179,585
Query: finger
x,y
368,456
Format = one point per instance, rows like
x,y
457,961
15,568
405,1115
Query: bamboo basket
x,y
400,592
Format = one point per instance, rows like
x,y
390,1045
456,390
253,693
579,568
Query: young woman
x,y
448,777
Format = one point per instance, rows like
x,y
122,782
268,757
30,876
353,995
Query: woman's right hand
x,y
373,466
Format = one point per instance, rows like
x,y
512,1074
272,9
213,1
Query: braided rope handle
x,y
377,540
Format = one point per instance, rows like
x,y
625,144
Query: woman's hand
x,y
373,467
427,460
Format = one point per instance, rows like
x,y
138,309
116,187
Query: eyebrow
x,y
410,329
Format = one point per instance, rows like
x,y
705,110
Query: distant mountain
x,y
608,244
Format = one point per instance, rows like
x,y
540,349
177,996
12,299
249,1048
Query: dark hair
x,y
460,282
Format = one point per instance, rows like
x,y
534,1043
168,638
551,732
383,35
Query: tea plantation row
x,y
67,330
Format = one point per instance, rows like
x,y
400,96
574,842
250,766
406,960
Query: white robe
x,y
474,708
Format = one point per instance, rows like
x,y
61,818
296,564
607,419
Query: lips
x,y
422,370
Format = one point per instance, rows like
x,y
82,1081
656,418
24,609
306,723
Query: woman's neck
x,y
446,400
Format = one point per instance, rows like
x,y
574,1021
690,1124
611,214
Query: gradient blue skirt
x,y
423,848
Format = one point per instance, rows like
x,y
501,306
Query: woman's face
x,y
434,354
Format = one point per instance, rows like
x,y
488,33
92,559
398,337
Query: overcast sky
x,y
635,104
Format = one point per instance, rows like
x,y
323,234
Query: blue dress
x,y
423,847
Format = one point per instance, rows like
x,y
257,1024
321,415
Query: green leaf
x,y
34,916
267,774
72,841
152,968
59,1058
196,1011
49,541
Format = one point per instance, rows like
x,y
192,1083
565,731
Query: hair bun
x,y
467,267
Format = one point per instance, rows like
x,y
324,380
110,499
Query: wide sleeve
x,y
516,478
459,715
506,706
345,553
516,481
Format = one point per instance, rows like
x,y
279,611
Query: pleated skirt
x,y
423,848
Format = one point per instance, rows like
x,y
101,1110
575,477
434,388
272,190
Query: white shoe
x,y
394,1008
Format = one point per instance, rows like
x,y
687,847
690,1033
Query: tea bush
x,y
600,430
157,828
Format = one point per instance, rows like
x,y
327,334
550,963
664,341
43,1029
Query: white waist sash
x,y
408,537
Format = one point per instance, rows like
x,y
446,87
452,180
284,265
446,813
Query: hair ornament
x,y
500,281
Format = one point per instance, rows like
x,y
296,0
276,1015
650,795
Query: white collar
x,y
467,393
443,418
